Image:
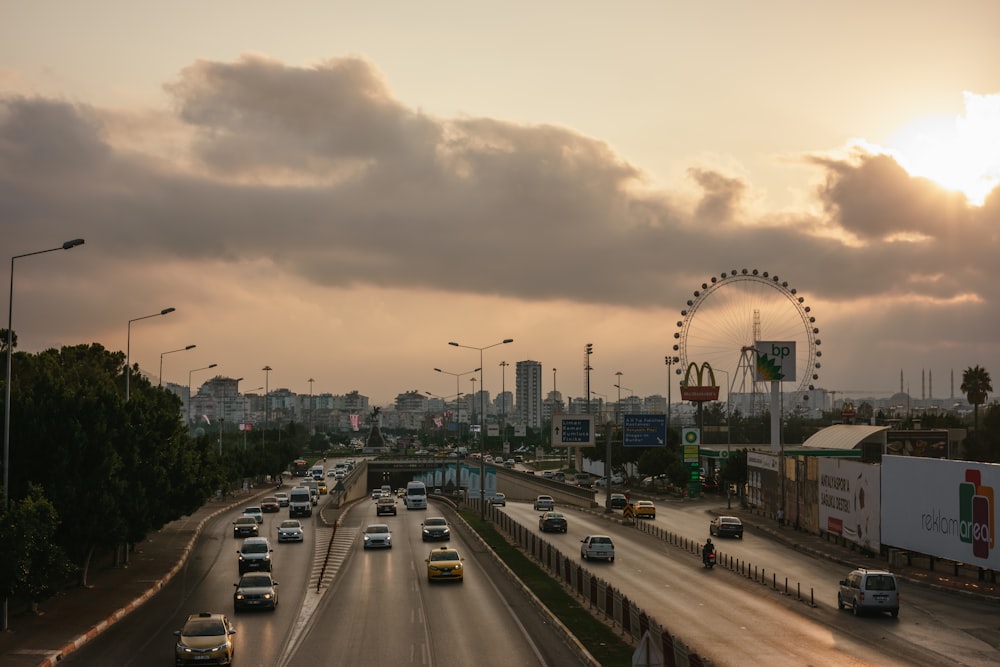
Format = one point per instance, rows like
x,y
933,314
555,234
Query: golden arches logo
x,y
699,392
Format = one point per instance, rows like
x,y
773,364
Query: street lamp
x,y
482,418
10,350
245,429
181,349
223,417
311,405
503,406
729,435
458,394
267,404
128,346
204,368
669,361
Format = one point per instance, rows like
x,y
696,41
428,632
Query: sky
x,y
337,190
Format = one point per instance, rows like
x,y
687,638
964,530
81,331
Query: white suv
x,y
869,590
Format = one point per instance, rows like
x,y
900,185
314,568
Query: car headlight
x,y
239,595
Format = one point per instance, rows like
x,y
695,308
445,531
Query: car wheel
x,y
611,560
895,613
583,555
840,603
854,608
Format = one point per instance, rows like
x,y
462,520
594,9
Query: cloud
x,y
317,178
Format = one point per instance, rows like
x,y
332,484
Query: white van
x,y
416,496
299,502
316,472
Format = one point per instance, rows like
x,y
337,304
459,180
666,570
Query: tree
x,y
32,566
976,385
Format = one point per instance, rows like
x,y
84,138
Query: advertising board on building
x,y
942,508
849,501
765,461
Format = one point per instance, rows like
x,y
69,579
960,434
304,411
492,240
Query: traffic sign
x,y
644,431
573,431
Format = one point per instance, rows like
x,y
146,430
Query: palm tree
x,y
976,386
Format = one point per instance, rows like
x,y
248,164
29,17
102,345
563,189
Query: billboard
x,y
775,361
849,501
942,508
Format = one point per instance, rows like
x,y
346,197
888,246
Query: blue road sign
x,y
644,431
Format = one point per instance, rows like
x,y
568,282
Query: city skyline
x,y
337,201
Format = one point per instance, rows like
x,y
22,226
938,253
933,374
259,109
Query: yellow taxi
x,y
645,509
444,564
322,488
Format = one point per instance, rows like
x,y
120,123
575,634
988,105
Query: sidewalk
x,y
960,579
74,616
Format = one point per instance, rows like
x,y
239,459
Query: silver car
x,y
377,536
869,590
290,530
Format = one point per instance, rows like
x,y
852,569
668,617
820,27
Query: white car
x,y
255,512
544,504
597,546
290,530
377,535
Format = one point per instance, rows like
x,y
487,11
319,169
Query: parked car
x,y
435,528
246,526
376,536
722,526
615,479
270,504
597,546
618,501
552,522
544,503
255,554
256,590
205,638
290,530
444,564
385,505
645,509
869,590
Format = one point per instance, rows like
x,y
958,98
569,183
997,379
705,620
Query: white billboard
x,y
940,507
849,501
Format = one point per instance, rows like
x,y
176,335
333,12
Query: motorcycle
x,y
709,559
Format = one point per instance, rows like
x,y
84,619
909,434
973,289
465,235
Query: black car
x,y
722,526
246,526
552,522
618,501
256,590
435,528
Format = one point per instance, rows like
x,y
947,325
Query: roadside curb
x,y
81,640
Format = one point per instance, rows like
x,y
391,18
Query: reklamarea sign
x,y
942,508
849,500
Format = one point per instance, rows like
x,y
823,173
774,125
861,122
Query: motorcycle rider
x,y
707,550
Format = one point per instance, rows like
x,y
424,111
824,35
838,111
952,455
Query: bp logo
x,y
691,436
975,508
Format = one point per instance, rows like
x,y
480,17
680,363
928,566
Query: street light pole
x,y
311,405
204,368
669,361
181,349
267,405
458,403
10,351
128,347
482,450
503,406
729,435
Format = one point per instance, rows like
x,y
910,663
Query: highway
x,y
731,620
370,607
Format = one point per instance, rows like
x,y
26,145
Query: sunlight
x,y
957,153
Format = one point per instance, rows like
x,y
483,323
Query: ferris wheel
x,y
731,313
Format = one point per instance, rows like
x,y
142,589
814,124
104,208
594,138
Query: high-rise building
x,y
528,396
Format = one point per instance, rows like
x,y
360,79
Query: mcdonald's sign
x,y
698,391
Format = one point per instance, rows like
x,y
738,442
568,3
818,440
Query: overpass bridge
x,y
517,485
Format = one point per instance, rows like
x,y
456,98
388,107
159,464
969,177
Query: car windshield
x,y
729,520
204,627
255,581
444,555
600,540
290,523
256,548
246,519
553,515
881,582
435,522
377,529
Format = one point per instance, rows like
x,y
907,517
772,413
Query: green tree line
x,y
90,472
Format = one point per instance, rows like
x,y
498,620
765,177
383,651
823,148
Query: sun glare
x,y
958,153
